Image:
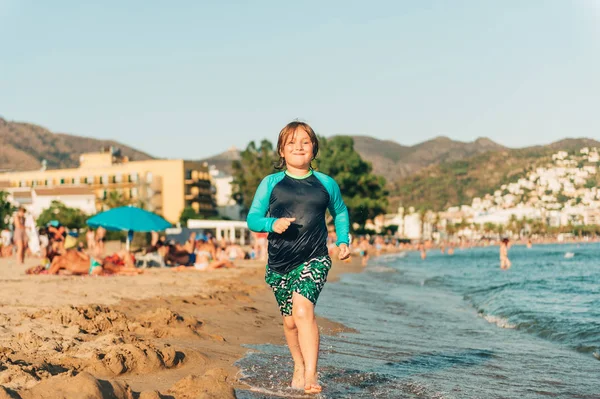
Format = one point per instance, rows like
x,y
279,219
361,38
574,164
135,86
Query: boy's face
x,y
298,150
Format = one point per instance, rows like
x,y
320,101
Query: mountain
x,y
223,160
23,146
434,174
390,159
457,182
395,161
441,172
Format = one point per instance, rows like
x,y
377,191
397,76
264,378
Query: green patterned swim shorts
x,y
307,280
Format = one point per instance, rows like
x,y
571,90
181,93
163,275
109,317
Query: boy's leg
x,y
291,335
308,338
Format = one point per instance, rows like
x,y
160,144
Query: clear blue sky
x,y
190,79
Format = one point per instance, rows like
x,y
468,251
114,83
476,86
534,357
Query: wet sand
x,y
163,334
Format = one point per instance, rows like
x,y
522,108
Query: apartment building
x,y
164,186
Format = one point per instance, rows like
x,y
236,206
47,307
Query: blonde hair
x,y
289,130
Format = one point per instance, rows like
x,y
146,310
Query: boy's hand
x,y
282,224
344,252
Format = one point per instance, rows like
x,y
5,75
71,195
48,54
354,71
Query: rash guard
x,y
305,198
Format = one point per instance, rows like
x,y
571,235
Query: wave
x,y
391,257
499,321
382,269
435,280
524,284
580,336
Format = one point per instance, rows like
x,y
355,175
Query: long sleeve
x,y
337,208
257,216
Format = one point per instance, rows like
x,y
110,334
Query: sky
x,y
190,79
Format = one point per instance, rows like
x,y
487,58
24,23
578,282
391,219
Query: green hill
x,y
457,182
395,161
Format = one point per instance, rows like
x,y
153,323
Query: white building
x,y
37,199
226,205
395,219
231,230
412,226
502,216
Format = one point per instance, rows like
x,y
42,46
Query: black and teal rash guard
x,y
305,198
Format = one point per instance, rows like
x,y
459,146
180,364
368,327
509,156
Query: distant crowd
x,y
64,252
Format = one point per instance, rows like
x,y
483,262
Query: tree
x,y
255,163
512,223
590,183
187,214
561,198
499,229
115,199
6,210
71,218
451,229
489,227
392,229
363,192
520,225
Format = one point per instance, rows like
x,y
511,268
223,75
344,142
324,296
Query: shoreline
x,y
160,334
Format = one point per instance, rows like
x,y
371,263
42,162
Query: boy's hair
x,y
290,129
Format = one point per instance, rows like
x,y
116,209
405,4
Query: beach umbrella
x,y
129,219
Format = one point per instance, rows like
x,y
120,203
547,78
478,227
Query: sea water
x,y
455,326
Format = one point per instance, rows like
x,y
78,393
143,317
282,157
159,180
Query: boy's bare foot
x,y
298,378
311,384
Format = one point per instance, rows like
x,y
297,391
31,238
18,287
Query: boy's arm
x,y
338,210
257,220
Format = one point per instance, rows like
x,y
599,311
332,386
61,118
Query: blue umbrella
x,y
130,219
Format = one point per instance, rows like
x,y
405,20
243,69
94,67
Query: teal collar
x,y
310,172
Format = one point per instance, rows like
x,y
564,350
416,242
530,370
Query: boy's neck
x,y
298,171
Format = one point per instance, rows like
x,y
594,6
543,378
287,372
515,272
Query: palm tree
x,y
512,223
451,229
115,199
489,227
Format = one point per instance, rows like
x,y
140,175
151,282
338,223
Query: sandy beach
x,y
162,334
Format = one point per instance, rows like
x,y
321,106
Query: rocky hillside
x,y
433,174
457,182
23,146
395,161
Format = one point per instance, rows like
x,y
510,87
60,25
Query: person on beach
x,y
20,234
290,205
90,238
6,242
78,262
100,237
504,261
56,234
260,246
364,251
421,248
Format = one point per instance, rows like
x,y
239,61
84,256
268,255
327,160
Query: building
x,y
234,231
226,205
37,199
164,186
413,226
